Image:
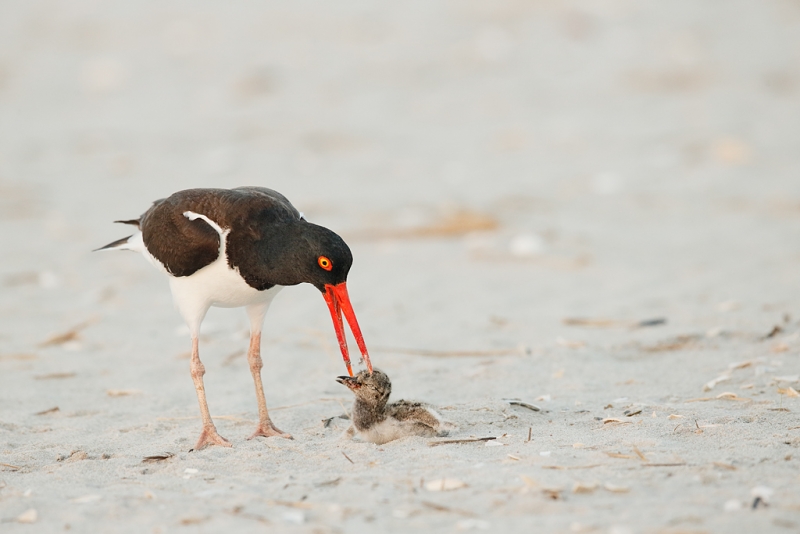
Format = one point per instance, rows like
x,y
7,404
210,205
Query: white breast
x,y
214,285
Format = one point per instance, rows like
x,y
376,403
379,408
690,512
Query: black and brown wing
x,y
417,412
184,246
181,245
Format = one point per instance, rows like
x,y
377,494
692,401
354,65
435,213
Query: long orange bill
x,y
339,302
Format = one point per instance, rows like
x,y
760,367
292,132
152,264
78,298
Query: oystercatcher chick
x,y
237,248
378,421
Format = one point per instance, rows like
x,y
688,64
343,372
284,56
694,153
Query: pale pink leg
x,y
265,426
209,435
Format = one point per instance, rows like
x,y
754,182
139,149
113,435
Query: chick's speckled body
x,y
378,421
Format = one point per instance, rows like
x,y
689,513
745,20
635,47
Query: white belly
x,y
214,285
218,285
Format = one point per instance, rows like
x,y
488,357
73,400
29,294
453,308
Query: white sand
x,y
625,161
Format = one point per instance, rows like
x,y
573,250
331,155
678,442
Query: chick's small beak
x,y
348,381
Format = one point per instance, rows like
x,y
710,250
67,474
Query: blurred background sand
x,y
500,169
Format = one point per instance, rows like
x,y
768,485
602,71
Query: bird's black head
x,y
306,253
328,258
301,252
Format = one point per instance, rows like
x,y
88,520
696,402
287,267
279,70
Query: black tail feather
x,y
115,244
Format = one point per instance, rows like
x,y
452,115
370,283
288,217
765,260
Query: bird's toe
x,y
209,436
268,430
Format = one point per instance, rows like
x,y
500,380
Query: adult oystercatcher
x,y
239,247
378,421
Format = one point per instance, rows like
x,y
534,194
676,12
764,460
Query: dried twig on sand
x,y
619,455
22,356
122,392
728,395
517,351
515,402
613,420
452,441
328,483
612,323
590,466
54,376
442,508
723,465
708,386
157,457
676,343
292,504
70,335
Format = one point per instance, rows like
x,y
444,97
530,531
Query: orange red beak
x,y
338,303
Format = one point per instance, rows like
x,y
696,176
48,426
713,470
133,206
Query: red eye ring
x,y
325,263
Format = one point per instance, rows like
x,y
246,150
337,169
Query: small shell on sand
x,y
445,484
28,516
584,487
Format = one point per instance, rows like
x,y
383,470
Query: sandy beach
x,y
576,231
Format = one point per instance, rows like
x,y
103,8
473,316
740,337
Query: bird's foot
x,y
209,436
350,433
266,429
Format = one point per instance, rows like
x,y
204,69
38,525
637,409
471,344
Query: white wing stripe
x,y
193,216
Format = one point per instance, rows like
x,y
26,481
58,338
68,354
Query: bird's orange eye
x,y
325,263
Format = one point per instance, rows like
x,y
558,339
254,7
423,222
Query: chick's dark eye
x,y
325,263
